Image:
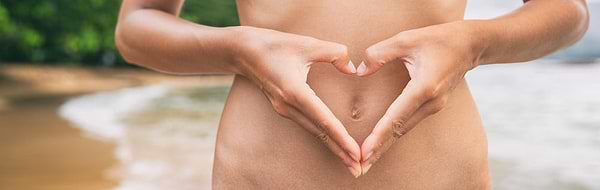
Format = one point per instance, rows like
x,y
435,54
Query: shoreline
x,y
41,150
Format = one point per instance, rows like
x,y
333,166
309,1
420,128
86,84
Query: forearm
x,y
538,28
159,40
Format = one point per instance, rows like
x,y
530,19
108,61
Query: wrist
x,y
241,47
479,40
222,44
237,45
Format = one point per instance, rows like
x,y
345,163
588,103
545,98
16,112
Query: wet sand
x,y
39,149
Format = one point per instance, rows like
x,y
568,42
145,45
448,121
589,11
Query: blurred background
x,y
74,115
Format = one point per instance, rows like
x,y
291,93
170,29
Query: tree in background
x,y
81,32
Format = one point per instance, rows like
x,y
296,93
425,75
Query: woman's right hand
x,y
278,63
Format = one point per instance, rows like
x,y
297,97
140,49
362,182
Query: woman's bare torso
x,y
258,149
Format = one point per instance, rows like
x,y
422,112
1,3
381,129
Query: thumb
x,y
333,53
378,55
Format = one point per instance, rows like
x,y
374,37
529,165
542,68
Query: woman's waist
x,y
356,102
357,105
255,141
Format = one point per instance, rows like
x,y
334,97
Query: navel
x,y
355,113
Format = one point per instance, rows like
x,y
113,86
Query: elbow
x,y
125,50
580,18
121,45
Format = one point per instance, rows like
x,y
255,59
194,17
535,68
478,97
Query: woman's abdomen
x,y
258,148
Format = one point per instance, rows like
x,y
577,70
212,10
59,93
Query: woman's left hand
x,y
437,58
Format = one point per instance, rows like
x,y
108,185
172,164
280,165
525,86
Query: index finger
x,y
393,121
314,108
405,105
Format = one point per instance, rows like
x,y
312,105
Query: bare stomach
x,y
258,149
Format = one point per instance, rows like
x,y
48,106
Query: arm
x,y
150,34
533,31
437,58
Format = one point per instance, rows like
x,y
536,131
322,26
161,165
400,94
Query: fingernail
x,y
362,69
355,169
351,67
367,156
366,168
353,172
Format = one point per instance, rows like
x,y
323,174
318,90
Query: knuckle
x,y
398,127
379,145
288,97
376,157
280,108
276,92
336,51
374,56
324,138
428,92
324,126
287,94
431,91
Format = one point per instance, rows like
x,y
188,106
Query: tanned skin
x,y
380,84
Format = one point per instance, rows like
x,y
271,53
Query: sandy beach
x,y
40,150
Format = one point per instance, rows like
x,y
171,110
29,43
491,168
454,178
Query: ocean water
x,y
542,120
164,135
543,123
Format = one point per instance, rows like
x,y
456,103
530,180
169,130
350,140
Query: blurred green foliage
x,y
81,32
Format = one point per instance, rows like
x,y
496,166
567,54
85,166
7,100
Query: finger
x,y
398,114
289,112
313,108
350,163
381,143
333,53
303,99
404,106
379,54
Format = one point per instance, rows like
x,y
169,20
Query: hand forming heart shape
x,y
436,58
279,63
